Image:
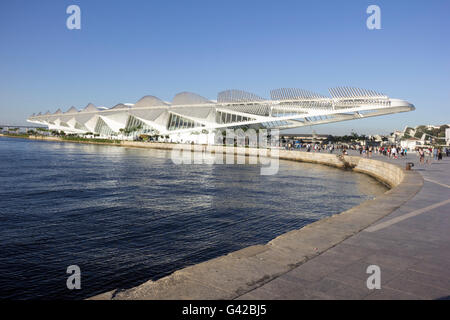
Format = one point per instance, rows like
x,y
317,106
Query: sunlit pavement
x,y
411,246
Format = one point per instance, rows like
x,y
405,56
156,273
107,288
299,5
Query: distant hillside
x,y
430,131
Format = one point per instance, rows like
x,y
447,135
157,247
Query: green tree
x,y
418,134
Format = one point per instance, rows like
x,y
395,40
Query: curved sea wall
x,y
387,173
232,275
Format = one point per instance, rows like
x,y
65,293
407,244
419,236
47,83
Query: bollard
x,y
409,165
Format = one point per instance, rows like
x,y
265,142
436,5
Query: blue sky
x,y
128,49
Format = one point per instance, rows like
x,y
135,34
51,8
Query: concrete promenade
x,y
411,246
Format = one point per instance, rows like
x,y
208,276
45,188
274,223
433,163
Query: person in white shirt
x,y
394,152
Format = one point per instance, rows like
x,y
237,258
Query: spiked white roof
x,y
186,98
149,101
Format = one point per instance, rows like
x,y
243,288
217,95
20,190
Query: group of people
x,y
366,151
330,148
308,147
392,151
427,154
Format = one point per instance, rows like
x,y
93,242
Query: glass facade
x,y
103,129
177,122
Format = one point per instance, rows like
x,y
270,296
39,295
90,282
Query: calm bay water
x,y
125,216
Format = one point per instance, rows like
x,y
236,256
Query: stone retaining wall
x,y
387,173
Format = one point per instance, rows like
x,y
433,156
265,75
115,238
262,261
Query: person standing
x,y
421,156
430,156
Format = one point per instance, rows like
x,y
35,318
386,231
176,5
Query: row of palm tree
x,y
127,131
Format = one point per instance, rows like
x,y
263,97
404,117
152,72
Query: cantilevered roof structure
x,y
190,113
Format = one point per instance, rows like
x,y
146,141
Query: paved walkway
x,y
411,246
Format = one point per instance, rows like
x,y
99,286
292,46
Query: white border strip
x,y
405,216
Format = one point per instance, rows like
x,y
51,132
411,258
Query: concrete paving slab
x,y
424,291
432,268
338,290
310,271
391,294
433,280
174,287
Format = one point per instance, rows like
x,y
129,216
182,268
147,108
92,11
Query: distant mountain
x,y
424,132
